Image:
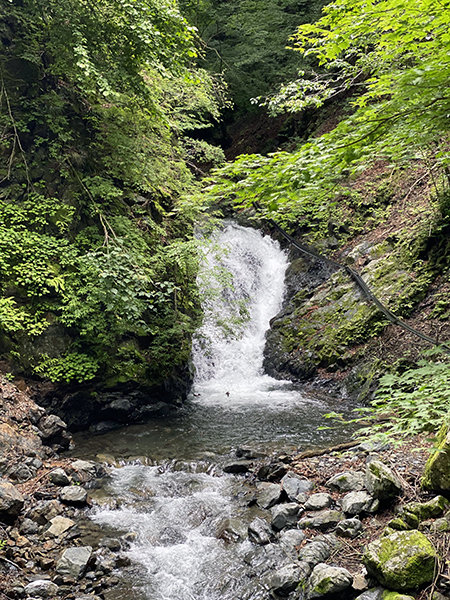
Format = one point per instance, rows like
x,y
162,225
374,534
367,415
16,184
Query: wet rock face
x,y
402,560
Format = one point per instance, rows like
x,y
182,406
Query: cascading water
x,y
177,505
228,351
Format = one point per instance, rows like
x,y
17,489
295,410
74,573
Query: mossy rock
x,y
437,470
401,561
387,595
399,524
427,510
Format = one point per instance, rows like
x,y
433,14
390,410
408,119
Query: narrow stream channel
x,y
176,499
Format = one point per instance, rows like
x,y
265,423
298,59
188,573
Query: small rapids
x,y
178,505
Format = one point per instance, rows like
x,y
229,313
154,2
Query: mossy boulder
x,y
326,580
427,510
401,561
437,470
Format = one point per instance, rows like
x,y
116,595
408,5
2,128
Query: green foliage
x,y
410,401
394,57
97,101
71,367
246,41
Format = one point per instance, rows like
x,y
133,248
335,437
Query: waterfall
x,y
245,271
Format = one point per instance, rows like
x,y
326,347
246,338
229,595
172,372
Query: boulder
x,y
318,501
296,487
290,540
381,482
273,471
268,494
41,588
285,515
11,501
402,560
259,531
59,477
349,528
326,579
74,561
436,474
324,520
285,580
73,494
348,481
84,470
427,510
355,503
315,552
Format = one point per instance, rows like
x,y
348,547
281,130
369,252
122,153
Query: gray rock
x,y
295,487
87,469
349,528
374,446
372,594
59,526
273,471
41,588
355,503
237,466
381,482
324,520
290,540
11,500
229,530
74,561
266,558
285,580
44,511
51,426
268,494
259,531
347,481
326,579
73,494
59,477
315,552
318,501
28,527
21,473
285,515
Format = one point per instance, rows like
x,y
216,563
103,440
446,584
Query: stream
x,y
170,490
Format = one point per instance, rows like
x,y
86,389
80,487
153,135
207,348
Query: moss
x,y
387,595
437,470
401,561
323,587
399,524
427,510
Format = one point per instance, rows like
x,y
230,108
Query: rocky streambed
x,y
345,524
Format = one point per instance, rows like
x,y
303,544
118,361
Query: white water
x,y
228,355
176,507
